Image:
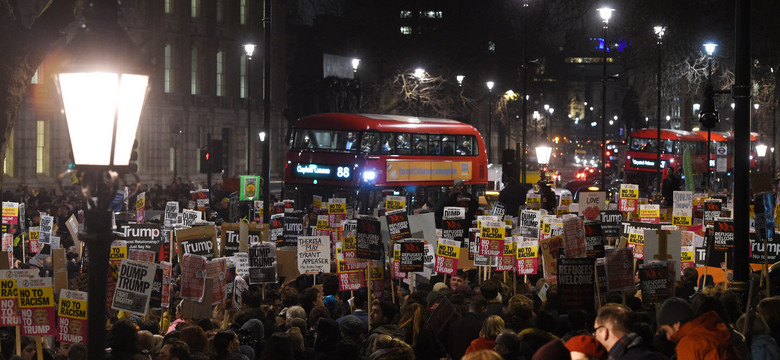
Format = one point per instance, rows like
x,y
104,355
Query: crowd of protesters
x,y
495,318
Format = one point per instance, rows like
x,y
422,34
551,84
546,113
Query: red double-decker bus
x,y
641,154
362,157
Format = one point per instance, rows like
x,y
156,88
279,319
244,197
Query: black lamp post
x,y
659,32
606,14
709,108
490,85
249,49
103,84
267,111
525,85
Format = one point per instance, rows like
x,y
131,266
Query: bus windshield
x,y
649,145
327,140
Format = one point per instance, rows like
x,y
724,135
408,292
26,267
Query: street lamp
x,y
708,116
249,49
761,152
490,85
355,64
659,33
103,82
543,152
460,79
419,74
605,13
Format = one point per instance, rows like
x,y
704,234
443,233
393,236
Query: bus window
x,y
448,145
370,143
420,144
388,143
303,139
465,145
434,146
402,144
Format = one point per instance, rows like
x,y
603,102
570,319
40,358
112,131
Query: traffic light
x,y
132,166
211,157
205,160
708,116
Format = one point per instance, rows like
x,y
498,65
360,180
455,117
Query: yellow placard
x,y
686,256
682,220
393,203
629,192
140,202
636,239
509,248
117,253
447,251
527,252
337,208
492,232
71,308
651,212
377,273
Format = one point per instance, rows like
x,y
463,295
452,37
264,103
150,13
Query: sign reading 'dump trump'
x,y
134,286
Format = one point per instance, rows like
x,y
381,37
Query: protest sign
x,y
140,207
141,236
171,214
656,281
491,235
369,245
134,286
686,257
200,199
141,255
591,204
337,211
454,229
533,201
398,226
650,213
165,291
241,260
189,217
231,239
574,237
628,197
9,301
620,269
397,273
313,254
351,280
757,247
576,283
201,240
723,235
36,306
712,210
610,223
47,225
10,213
529,223
249,187
393,203
663,245
594,240
447,255
262,265
429,259
412,252
508,260
276,232
193,277
454,213
527,256
499,209
72,317
215,271
682,210
552,250
293,228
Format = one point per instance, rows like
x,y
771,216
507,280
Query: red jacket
x,y
481,343
705,337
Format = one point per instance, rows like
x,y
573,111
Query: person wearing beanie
x,y
586,347
697,337
438,286
553,350
434,297
613,328
463,289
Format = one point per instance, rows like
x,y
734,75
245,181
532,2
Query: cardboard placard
x,y
201,240
134,286
36,306
72,317
313,254
576,283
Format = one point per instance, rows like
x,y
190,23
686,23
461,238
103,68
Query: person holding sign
x,y
458,197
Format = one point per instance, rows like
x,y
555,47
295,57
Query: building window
x,y
8,162
194,72
41,149
243,11
220,10
169,6
406,14
220,74
35,79
406,30
243,76
491,46
168,68
431,14
195,8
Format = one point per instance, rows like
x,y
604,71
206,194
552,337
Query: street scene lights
x,y
490,85
103,83
605,13
460,79
708,116
249,49
355,64
543,153
419,74
761,152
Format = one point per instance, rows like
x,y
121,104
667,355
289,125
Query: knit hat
x,y
434,297
253,328
587,345
352,325
675,310
464,290
553,350
439,285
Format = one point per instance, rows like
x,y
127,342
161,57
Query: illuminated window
x,y
169,6
406,30
406,14
8,162
243,11
41,148
172,159
168,68
194,71
491,46
220,11
194,8
243,76
431,14
220,74
35,79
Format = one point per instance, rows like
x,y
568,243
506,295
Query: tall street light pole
x,y
267,112
249,49
490,85
525,85
710,48
606,14
659,32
